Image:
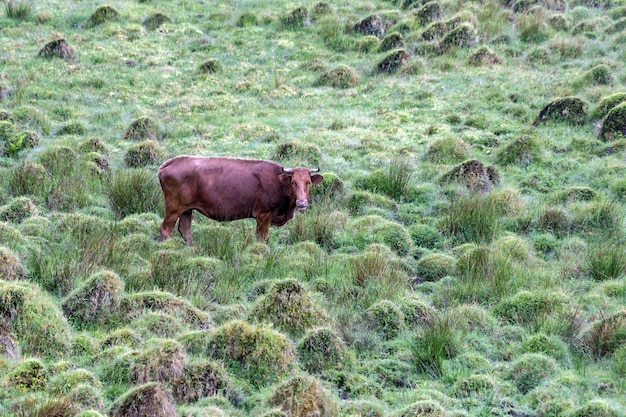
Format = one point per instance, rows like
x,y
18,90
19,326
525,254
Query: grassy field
x,y
464,255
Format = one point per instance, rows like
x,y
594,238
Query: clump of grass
x,y
393,61
434,266
18,209
97,299
64,382
151,399
199,380
484,56
473,174
606,104
162,360
598,408
448,149
154,21
143,154
133,191
72,128
435,344
34,318
530,369
528,307
103,13
136,304
571,110
471,219
142,128
210,66
614,125
462,36
370,25
340,77
533,26
297,17
391,41
11,267
257,354
385,318
522,150
604,336
321,350
289,307
29,375
599,216
428,12
374,229
18,9
394,182
300,154
606,260
303,396
555,219
549,345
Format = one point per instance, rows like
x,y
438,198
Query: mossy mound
x,y
134,305
428,12
11,267
297,17
598,75
434,31
598,408
162,360
18,141
257,354
321,350
614,125
58,48
18,209
446,150
303,396
29,375
158,324
522,150
330,189
66,381
462,36
374,229
527,306
289,307
530,370
434,266
566,109
154,21
151,399
393,61
425,408
362,408
340,77
74,127
484,56
391,41
143,154
210,66
34,318
417,312
102,14
143,128
473,174
370,25
606,104
200,380
359,202
96,300
298,154
426,236
385,318
549,345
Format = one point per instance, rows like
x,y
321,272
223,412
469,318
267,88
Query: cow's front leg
x,y
263,228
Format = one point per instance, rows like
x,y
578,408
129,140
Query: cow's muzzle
x,y
302,204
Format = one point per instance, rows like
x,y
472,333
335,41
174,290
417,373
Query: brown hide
x,y
227,189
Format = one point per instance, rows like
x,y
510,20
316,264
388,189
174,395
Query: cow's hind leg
x,y
184,225
169,221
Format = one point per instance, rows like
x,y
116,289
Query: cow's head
x,y
300,180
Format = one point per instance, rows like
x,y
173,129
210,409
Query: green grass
x,y
454,253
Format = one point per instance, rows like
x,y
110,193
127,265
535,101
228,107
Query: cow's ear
x,y
316,178
285,178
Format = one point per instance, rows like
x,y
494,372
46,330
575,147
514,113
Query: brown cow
x,y
227,189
